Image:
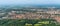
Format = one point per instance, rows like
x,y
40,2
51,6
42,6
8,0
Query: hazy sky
x,y
29,1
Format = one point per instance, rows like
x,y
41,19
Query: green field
x,y
28,22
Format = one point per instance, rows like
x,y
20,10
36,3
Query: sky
x,y
2,2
